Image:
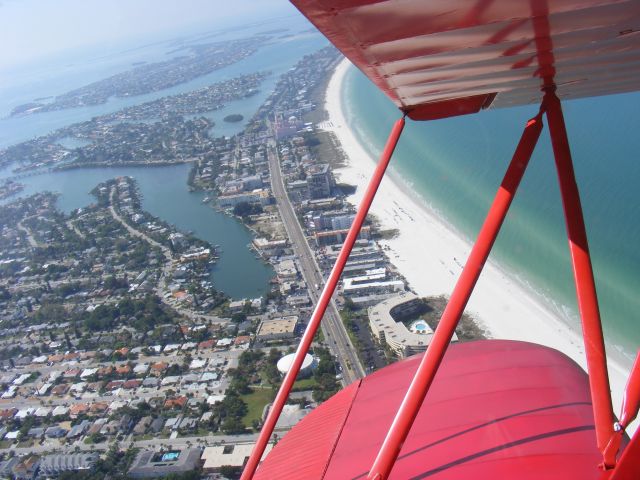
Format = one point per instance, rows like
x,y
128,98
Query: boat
x,y
489,408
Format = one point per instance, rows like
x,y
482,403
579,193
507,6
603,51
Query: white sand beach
x,y
430,254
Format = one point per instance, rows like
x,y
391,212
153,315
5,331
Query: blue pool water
x,y
170,456
419,326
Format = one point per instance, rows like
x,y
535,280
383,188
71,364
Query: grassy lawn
x,y
255,402
304,384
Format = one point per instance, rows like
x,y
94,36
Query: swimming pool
x,y
420,327
170,456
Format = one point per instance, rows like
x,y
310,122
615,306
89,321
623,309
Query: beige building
x,y
277,328
259,195
286,270
227,455
404,341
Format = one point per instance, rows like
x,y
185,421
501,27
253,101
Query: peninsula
x,y
159,132
192,61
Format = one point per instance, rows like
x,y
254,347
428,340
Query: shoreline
x,y
426,243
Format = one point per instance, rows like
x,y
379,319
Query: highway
x,y
332,327
47,445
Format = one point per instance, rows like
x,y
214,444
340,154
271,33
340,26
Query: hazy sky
x,y
33,29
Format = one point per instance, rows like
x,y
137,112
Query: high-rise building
x,y
319,181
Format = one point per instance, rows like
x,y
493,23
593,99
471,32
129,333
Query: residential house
x,y
176,402
78,409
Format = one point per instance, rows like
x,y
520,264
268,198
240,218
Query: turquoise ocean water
x,y
455,166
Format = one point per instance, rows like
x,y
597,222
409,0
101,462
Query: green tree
x,y
233,406
238,317
232,426
241,385
230,472
244,209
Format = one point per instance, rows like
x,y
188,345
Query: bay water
x,y
238,273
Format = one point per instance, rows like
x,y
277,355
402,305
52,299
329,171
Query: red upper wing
x,y
441,58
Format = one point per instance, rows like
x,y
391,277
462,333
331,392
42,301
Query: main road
x,y
332,326
48,445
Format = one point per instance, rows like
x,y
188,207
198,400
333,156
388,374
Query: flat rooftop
x,y
232,455
278,326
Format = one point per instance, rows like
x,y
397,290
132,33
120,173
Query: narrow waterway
x,y
165,194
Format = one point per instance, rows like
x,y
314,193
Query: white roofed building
x,y
308,365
